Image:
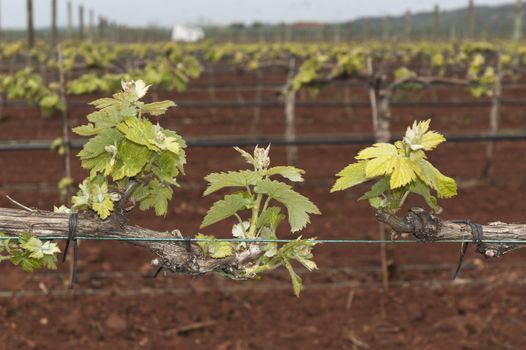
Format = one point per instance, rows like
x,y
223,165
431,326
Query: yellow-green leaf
x,y
377,150
432,139
445,186
351,175
224,208
403,172
214,248
380,166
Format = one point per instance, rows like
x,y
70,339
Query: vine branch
x,y
428,227
174,256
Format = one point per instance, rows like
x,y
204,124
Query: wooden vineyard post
x,y
101,29
54,38
436,22
408,25
470,22
81,22
494,117
65,125
91,24
30,28
1,36
372,94
261,35
70,20
380,106
290,128
288,33
1,96
383,127
517,29
385,28
380,135
349,32
365,29
66,143
337,33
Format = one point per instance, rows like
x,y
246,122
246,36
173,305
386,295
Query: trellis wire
x,y
300,141
299,104
263,241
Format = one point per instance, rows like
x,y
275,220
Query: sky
x,y
169,12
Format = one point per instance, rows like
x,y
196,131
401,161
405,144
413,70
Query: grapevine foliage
x,y
398,170
259,197
28,85
128,155
28,252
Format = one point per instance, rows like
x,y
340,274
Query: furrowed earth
x,y
117,304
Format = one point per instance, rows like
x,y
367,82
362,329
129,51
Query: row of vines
x,y
133,161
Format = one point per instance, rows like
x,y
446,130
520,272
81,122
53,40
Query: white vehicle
x,y
187,34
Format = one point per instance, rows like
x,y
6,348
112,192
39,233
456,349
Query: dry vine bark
x,y
174,256
189,259
428,227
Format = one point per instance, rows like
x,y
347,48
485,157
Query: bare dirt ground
x,y
118,305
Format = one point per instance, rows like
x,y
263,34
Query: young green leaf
x,y
289,172
132,159
104,102
351,175
97,145
378,150
298,206
224,208
242,178
432,177
271,217
140,131
101,201
157,196
294,277
420,188
379,188
399,169
214,248
127,148
403,173
157,108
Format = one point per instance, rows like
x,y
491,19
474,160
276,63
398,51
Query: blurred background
x,y
319,80
240,21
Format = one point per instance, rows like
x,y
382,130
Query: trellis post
x,y
54,38
436,22
30,28
81,22
381,135
494,118
290,127
517,30
408,23
70,20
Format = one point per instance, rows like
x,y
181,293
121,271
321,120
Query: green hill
x,y
491,22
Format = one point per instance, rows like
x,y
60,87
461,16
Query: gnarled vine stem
x,y
174,256
428,227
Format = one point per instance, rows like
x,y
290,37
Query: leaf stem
x,y
255,216
241,223
404,197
